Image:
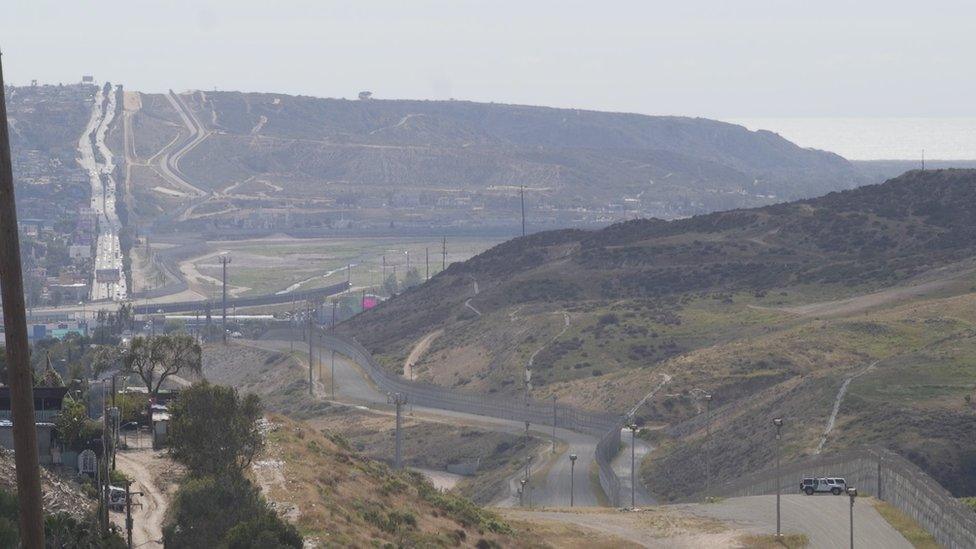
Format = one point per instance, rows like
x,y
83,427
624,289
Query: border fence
x,y
875,472
606,427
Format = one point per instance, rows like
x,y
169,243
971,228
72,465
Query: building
x,y
47,405
79,251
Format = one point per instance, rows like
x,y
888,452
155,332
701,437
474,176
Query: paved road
x,y
353,387
621,465
108,251
824,519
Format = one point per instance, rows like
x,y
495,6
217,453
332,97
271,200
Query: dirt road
x,y
145,466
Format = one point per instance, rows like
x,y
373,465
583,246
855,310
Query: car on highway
x,y
833,485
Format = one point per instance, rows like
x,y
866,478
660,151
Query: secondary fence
x,y
606,427
874,472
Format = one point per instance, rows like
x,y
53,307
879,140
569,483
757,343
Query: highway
x,y
552,489
108,251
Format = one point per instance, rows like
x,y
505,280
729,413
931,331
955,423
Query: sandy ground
x,y
154,475
442,480
656,528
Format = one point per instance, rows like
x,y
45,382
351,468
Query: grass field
x,y
273,265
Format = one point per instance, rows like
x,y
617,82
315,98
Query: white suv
x,y
834,485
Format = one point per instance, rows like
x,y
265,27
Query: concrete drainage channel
x,y
605,427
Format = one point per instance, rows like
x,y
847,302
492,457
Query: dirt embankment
x,y
60,494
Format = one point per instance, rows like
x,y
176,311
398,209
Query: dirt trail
x,y
419,350
144,466
837,402
924,284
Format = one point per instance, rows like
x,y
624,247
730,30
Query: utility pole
x,y
554,424
31,516
308,313
444,253
332,379
522,196
633,469
778,422
224,260
128,512
923,160
427,262
708,445
398,400
383,281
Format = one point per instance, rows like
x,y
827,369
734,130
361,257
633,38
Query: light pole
x,y
708,445
521,493
852,492
554,424
572,478
633,478
398,400
778,422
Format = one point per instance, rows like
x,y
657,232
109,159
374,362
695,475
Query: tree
x,y
226,511
412,279
74,427
158,358
390,285
213,430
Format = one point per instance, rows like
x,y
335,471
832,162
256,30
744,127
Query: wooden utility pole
x,y
427,261
18,352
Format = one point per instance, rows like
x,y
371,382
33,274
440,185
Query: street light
x,y
572,477
633,479
522,492
778,422
852,492
708,444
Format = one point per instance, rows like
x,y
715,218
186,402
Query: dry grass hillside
x,y
769,309
308,159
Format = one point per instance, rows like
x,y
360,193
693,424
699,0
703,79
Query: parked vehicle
x,y
833,485
116,498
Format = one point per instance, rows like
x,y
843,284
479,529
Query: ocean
x,y
877,138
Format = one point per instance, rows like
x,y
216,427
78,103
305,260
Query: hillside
x,y
769,309
311,162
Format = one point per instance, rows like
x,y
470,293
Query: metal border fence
x,y
875,472
606,427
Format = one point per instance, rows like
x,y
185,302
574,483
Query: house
x,y
47,404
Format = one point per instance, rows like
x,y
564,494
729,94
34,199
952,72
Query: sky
x,y
735,59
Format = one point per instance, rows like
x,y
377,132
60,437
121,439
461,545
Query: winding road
x,y
553,489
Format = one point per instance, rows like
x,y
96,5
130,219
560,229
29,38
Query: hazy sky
x,y
743,58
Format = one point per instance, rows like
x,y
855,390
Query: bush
x,y
214,431
226,511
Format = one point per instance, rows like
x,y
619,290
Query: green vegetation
x,y
225,511
213,430
215,434
156,359
770,310
770,541
60,530
915,534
